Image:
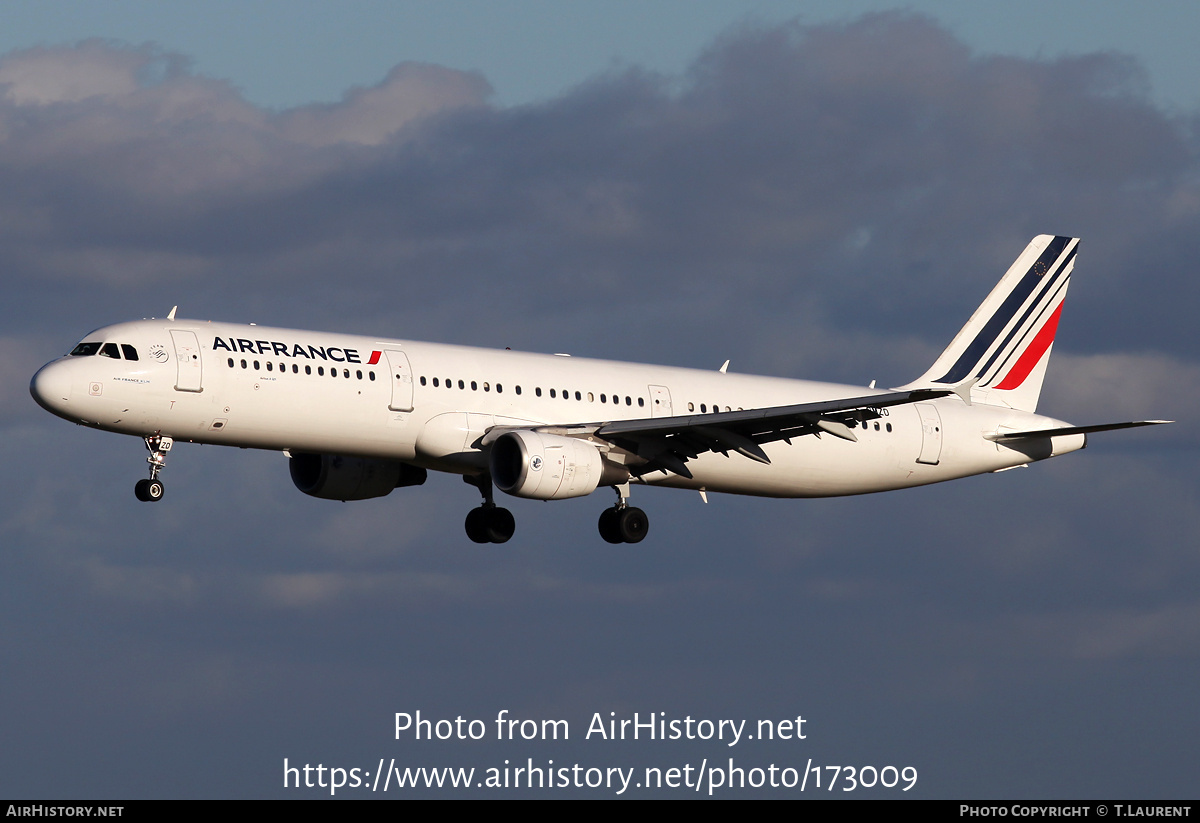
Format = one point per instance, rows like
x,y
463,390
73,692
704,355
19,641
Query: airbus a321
x,y
359,416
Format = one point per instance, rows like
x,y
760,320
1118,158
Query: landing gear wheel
x,y
149,491
477,528
610,530
632,524
501,525
490,524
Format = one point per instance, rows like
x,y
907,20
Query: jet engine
x,y
549,467
339,477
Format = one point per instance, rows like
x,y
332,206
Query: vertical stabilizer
x,y
1003,350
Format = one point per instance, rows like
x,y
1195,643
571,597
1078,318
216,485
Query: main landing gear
x,y
151,490
489,523
623,523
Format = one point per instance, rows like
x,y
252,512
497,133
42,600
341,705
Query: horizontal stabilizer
x,y
1002,437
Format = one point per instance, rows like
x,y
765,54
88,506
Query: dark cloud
x,y
823,202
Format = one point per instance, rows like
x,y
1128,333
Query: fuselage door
x,y
931,434
402,381
187,360
660,401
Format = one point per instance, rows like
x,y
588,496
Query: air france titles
x,y
237,345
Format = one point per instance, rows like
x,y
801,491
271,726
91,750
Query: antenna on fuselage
x,y
724,367
171,315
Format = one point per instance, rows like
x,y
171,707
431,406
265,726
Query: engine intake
x,y
340,477
549,467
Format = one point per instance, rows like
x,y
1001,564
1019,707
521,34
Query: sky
x,y
811,191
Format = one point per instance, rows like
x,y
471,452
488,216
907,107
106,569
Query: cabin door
x,y
402,381
931,434
190,368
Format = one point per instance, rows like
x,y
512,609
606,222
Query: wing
x,y
667,443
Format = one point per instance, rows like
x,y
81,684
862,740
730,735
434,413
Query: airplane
x,y
360,416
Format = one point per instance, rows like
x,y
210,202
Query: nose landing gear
x,y
489,523
623,523
151,490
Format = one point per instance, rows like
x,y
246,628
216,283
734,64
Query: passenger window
x,y
591,397
231,362
474,386
578,396
628,400
703,409
552,394
320,371
85,350
110,350
435,383
308,369
518,389
371,375
358,373
691,407
461,384
603,398
295,369
641,401
345,373
422,378
487,386
243,364
269,366
499,389
129,351
256,365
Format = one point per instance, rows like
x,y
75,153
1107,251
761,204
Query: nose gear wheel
x,y
151,490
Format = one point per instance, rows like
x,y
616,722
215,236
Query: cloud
x,y
410,92
43,76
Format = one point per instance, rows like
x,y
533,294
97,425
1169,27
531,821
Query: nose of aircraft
x,y
51,387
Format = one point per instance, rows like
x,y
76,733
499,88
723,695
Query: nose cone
x,y
51,388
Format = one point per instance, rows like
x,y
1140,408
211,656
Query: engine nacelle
x,y
549,467
338,477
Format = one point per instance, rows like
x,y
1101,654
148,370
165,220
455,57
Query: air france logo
x,y
159,353
273,347
535,463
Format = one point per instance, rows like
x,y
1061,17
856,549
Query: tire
x,y
632,524
610,530
501,525
139,491
477,527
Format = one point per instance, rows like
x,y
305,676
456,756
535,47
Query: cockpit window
x,y
129,351
85,350
110,350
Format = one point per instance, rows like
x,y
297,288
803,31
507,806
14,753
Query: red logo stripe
x,y
1033,354
374,358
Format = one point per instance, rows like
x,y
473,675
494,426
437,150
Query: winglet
x,y
171,316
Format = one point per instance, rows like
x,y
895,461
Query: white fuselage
x,y
429,404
